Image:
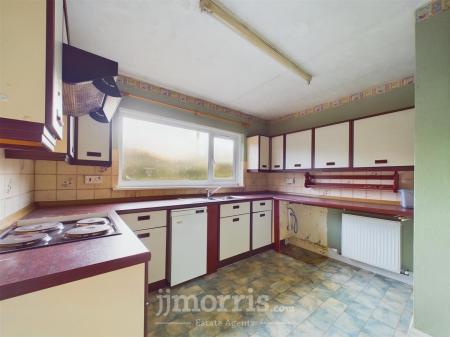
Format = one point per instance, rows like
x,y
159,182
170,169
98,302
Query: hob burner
x,y
40,227
22,240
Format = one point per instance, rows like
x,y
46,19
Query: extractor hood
x,y
89,85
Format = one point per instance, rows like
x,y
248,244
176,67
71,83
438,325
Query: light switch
x,y
290,181
93,179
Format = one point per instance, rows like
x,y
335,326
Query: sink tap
x,y
209,193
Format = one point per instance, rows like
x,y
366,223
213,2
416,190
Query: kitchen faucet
x,y
210,193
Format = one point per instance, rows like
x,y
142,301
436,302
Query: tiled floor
x,y
320,297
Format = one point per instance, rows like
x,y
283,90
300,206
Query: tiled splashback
x,y
278,182
16,185
60,181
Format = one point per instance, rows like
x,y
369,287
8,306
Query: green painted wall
x,y
432,177
394,100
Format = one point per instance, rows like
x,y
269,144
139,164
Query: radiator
x,y
373,241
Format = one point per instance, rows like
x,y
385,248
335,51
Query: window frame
x,y
238,138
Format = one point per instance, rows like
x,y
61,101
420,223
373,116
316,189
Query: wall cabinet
x,y
90,142
31,81
332,146
277,151
385,140
258,153
299,150
151,229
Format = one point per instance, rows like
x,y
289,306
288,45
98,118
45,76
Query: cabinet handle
x,y
200,211
381,161
236,207
235,219
276,166
297,165
331,163
143,235
262,204
93,154
262,215
143,217
264,166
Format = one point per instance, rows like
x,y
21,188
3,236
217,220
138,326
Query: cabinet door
x,y
253,153
332,146
234,236
155,241
93,140
264,153
385,140
261,229
298,150
277,153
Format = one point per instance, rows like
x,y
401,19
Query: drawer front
x,y
234,209
234,236
155,241
145,220
262,205
262,229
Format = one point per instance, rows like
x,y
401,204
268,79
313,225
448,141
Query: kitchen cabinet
x,y
332,146
261,229
151,229
109,304
262,205
298,150
277,148
234,229
31,115
385,140
90,142
234,236
258,156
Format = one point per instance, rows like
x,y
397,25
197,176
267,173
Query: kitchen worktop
x,y
35,269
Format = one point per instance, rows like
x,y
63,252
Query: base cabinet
x,y
234,236
110,304
261,229
155,241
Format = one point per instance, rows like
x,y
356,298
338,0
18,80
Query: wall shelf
x,y
313,181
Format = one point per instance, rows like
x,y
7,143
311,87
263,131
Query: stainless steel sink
x,y
226,197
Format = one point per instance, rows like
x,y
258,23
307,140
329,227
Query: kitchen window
x,y
158,152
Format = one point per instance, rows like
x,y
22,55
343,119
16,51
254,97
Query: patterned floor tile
x,y
308,296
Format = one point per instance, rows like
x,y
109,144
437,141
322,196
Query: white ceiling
x,y
347,45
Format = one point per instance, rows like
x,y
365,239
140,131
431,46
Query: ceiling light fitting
x,y
233,22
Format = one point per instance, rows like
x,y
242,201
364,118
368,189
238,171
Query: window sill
x,y
131,188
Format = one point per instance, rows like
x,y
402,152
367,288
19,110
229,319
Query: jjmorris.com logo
x,y
168,302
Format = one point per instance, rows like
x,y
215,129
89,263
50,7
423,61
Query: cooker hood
x,y
89,85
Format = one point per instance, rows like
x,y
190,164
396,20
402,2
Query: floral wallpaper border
x,y
372,91
132,82
431,9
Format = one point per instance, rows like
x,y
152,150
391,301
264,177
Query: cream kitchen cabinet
x,y
298,150
277,148
31,112
258,153
332,146
385,140
234,231
261,229
151,229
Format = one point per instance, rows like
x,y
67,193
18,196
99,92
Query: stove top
x,y
37,233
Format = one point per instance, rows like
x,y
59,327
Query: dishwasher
x,y
188,244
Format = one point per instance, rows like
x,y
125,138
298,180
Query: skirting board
x,y
332,254
413,332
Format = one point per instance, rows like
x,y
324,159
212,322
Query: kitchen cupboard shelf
x,y
311,181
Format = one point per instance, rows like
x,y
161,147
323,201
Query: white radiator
x,y
372,241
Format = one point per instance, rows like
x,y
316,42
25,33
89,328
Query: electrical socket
x,y
93,179
290,181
